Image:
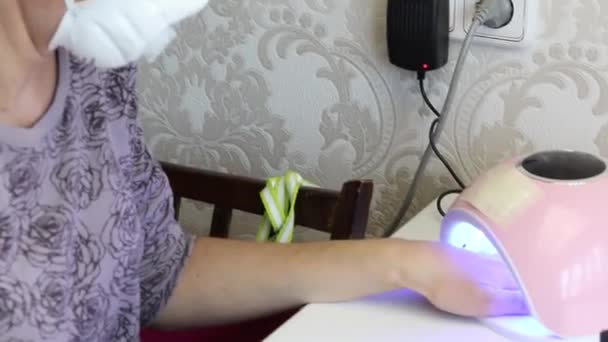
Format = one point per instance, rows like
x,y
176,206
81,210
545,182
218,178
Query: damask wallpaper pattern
x,y
257,87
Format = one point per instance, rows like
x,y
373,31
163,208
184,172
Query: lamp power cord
x,y
429,104
494,14
433,130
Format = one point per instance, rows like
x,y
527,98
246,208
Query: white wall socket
x,y
520,32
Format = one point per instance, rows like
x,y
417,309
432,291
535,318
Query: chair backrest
x,y
343,214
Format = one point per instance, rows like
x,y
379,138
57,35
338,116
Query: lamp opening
x,y
564,165
465,235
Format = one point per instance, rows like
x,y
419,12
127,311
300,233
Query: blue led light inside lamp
x,y
523,328
466,236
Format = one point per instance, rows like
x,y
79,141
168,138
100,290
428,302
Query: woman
x,y
89,249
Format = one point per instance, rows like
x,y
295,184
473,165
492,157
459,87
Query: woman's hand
x,y
467,284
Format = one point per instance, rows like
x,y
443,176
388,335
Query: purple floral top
x,y
89,247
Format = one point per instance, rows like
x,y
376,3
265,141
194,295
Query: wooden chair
x,y
343,214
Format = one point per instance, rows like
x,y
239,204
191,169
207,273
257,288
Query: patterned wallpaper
x,y
257,87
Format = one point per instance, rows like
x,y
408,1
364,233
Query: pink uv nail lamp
x,y
546,216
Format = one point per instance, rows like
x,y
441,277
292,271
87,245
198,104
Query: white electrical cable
x,y
493,10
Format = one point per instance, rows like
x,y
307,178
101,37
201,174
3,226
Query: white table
x,y
398,316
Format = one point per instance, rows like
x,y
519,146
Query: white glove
x,y
114,33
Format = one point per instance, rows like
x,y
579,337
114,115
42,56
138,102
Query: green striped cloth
x,y
279,199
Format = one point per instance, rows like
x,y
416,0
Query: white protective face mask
x,y
114,33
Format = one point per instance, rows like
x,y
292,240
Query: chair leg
x,y
351,215
177,203
220,224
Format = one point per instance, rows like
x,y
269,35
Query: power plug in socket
x,y
519,33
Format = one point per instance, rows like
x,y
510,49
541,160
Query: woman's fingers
x,y
475,285
506,303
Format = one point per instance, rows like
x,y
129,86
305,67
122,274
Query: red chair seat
x,y
250,331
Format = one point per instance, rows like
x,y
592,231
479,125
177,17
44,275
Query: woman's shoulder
x,y
100,112
84,74
107,93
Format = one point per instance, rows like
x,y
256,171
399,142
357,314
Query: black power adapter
x,y
418,37
418,33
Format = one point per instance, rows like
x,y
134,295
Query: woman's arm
x,y
227,280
